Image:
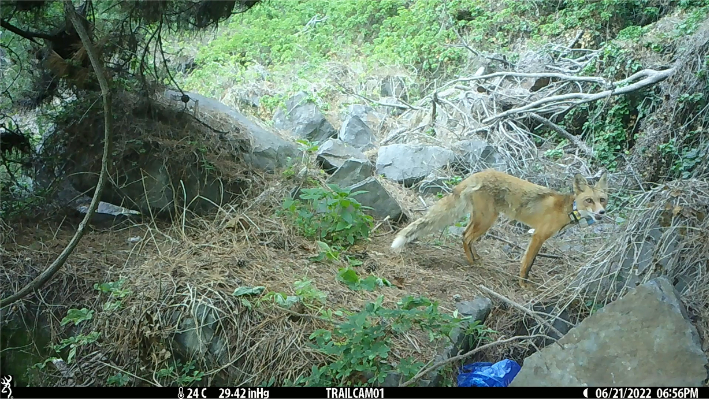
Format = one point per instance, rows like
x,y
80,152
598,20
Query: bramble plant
x,y
180,374
332,216
115,292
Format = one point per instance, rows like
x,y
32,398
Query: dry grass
x,y
177,271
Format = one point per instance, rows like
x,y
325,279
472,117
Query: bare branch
x,y
651,77
46,275
564,133
592,79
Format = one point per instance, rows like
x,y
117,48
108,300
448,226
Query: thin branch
x,y
592,79
540,254
564,133
27,35
521,308
46,275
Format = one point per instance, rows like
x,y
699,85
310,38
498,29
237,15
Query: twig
x,y
521,308
46,275
564,133
465,355
576,38
592,79
405,106
377,226
544,255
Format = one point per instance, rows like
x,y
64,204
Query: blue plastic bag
x,y
485,374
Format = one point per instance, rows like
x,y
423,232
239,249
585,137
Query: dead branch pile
x,y
505,108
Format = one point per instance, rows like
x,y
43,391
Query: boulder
x,y
475,154
366,113
409,164
333,153
303,120
351,172
356,133
478,309
642,339
269,150
379,199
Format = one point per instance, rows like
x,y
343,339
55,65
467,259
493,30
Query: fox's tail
x,y
443,213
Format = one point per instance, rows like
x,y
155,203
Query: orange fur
x,y
487,194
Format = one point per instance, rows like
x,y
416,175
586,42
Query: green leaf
x,y
349,277
242,291
77,316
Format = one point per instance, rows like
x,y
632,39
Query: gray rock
x,y
560,323
268,150
433,186
475,154
478,309
379,199
106,215
351,172
409,164
303,120
196,333
356,133
366,113
333,153
642,339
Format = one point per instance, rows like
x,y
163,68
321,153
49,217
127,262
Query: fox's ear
x,y
602,184
579,184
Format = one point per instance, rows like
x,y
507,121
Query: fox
x,y
489,193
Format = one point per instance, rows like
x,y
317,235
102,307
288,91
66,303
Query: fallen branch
x,y
651,77
541,254
521,308
592,79
564,133
46,275
465,355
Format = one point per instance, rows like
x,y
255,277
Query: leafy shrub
x,y
332,216
362,343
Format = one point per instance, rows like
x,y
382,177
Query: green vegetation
x,y
301,37
360,347
333,216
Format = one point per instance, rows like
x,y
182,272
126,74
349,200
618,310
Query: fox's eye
x,y
590,201
602,200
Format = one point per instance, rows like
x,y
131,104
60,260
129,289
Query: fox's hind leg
x,y
479,224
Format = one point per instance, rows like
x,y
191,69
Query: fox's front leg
x,y
529,258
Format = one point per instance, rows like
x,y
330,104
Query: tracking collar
x,y
576,217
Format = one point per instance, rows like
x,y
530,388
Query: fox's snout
x,y
598,214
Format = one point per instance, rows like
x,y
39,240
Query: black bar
x,y
355,393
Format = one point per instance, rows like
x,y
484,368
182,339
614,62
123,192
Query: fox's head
x,y
591,200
